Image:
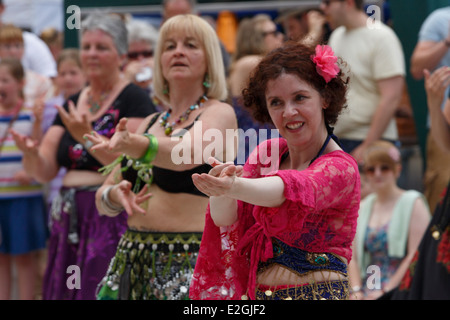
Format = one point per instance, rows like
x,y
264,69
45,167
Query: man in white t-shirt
x,y
375,57
37,56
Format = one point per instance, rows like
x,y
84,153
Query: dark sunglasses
x,y
274,33
383,168
327,2
136,54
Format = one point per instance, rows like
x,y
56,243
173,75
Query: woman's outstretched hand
x,y
118,142
220,179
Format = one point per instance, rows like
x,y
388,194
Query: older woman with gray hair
x,y
82,242
142,37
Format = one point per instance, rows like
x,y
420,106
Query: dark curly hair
x,y
294,58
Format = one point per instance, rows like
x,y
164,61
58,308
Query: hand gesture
x,y
28,146
435,86
130,201
22,178
118,142
76,123
38,109
220,179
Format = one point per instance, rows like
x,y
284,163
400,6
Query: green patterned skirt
x,y
151,266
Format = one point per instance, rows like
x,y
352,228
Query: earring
x,y
166,89
206,83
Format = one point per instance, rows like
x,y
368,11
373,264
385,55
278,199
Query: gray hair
x,y
142,31
111,24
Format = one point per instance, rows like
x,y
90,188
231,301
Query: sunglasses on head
x,y
383,168
136,54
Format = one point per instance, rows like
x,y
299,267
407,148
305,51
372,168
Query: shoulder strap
x,y
399,226
153,120
361,228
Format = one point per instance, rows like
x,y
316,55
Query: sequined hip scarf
x,y
302,262
326,290
151,266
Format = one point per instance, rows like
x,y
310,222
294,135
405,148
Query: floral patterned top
x,y
376,244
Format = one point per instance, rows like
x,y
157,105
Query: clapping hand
x,y
435,85
27,145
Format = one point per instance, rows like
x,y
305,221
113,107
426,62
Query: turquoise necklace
x,y
94,106
168,127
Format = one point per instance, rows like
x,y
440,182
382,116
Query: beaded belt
x,y
327,290
151,266
301,262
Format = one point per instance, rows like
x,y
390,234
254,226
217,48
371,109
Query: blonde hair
x,y
10,33
382,151
206,35
250,36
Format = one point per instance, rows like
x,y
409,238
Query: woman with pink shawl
x,y
281,226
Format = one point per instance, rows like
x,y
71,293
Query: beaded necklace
x,y
168,127
94,106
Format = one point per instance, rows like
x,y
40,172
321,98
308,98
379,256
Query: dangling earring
x,y
206,83
166,89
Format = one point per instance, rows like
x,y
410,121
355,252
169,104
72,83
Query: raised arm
x,y
435,86
209,136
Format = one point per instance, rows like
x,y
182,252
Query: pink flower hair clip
x,y
325,61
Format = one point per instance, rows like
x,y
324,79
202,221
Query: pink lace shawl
x,y
319,215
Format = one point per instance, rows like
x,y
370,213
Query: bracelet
x,y
447,43
152,149
109,208
355,289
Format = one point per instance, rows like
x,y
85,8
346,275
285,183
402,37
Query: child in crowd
x,y
22,211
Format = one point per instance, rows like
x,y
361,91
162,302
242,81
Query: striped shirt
x,y
11,158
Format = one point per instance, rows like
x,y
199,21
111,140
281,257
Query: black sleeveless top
x,y
132,102
169,180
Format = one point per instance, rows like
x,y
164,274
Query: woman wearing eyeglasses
x,y
256,36
138,69
391,223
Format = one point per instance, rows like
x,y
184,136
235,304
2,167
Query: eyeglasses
x,y
327,2
384,168
274,33
135,54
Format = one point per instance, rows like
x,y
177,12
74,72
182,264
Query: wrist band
x,y
355,289
447,43
152,149
109,208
